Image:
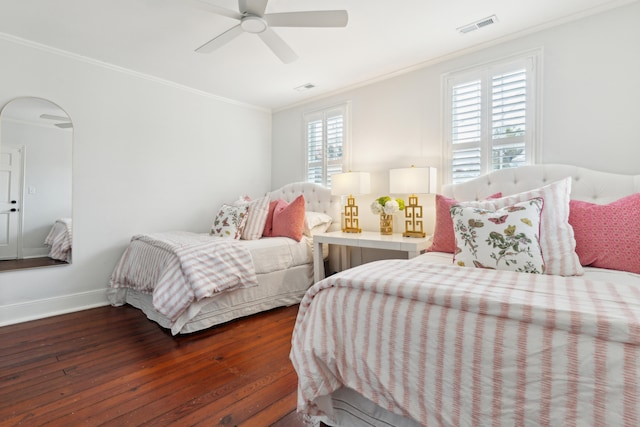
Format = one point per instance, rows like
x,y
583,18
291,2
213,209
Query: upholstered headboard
x,y
316,197
586,184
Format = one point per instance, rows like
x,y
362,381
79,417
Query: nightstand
x,y
413,246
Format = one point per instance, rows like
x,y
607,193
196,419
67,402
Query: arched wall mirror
x,y
36,143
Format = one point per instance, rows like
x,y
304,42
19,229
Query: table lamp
x,y
350,183
411,181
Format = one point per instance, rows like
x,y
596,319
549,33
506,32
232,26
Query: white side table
x,y
413,246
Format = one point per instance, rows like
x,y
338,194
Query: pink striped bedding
x,y
450,346
181,267
60,240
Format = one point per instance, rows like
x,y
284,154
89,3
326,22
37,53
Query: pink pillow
x,y
607,235
288,220
444,239
268,225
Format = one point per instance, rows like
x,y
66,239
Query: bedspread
x,y
180,267
450,346
60,240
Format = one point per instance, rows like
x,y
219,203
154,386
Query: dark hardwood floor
x,y
18,264
113,366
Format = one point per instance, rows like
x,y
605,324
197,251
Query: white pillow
x,y
556,234
316,222
258,211
229,221
505,239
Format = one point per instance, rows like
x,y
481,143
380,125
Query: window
x,y
490,118
326,139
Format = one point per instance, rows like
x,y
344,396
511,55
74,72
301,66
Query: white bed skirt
x,y
276,289
352,409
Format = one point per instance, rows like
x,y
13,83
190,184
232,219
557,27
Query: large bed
x,y
262,274
430,342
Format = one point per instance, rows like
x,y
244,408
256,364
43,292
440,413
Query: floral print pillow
x,y
505,239
230,221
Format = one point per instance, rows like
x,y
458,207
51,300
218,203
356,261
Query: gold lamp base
x,y
413,227
351,222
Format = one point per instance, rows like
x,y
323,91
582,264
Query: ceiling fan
x,y
253,19
65,122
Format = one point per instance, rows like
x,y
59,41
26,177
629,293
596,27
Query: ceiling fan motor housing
x,y
253,24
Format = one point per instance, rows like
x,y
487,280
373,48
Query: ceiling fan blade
x,y
52,117
253,7
319,18
220,40
200,4
278,46
64,125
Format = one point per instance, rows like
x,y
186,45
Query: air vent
x,y
478,24
304,87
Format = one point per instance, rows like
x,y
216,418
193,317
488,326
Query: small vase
x,y
386,224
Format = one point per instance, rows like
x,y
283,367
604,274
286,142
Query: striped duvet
x,y
450,346
181,267
60,240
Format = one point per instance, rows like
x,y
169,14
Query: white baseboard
x,y
39,309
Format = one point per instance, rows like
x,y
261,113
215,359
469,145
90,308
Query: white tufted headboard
x,y
586,184
317,199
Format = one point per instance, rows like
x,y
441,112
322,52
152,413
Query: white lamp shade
x,y
412,180
350,183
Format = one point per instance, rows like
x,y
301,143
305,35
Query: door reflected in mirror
x,y
36,144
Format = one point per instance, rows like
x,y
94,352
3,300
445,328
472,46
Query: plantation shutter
x,y
508,119
315,151
488,114
325,137
466,130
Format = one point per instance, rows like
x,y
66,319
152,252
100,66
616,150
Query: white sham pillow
x,y
505,239
316,222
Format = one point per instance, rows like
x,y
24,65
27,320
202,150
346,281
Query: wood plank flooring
x,y
113,366
20,264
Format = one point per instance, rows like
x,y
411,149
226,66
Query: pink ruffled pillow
x,y
607,236
444,239
288,219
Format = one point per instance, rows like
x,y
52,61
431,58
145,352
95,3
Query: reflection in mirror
x,y
36,139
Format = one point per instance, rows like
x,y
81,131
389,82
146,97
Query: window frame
x,y
531,61
322,114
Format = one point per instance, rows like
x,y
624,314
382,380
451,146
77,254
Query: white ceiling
x,y
158,38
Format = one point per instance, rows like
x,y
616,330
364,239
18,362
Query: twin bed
x,y
266,273
428,342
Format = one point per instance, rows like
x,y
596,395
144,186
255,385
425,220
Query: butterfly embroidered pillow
x,y
230,221
556,234
504,239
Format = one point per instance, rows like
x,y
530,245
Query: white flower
x,y
376,208
391,207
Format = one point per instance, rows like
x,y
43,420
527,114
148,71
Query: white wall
x,y
590,92
148,156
